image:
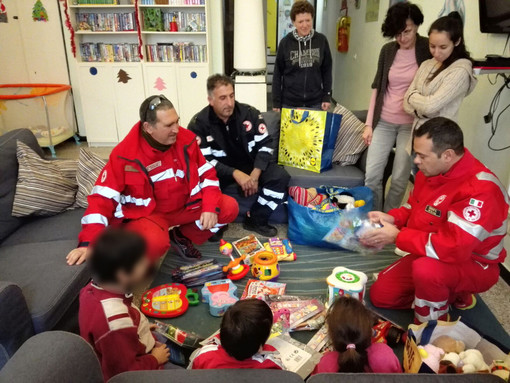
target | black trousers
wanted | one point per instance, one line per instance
(273, 183)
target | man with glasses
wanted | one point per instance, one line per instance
(234, 138)
(157, 179)
(453, 227)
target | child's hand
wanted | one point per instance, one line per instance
(161, 353)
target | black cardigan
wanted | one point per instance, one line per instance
(386, 57)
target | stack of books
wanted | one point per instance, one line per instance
(172, 2)
(104, 52)
(195, 21)
(98, 2)
(176, 52)
(106, 22)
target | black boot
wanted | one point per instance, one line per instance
(218, 236)
(264, 229)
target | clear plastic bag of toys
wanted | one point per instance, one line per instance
(350, 228)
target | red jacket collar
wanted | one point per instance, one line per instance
(131, 144)
(458, 171)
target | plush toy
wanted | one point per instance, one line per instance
(453, 358)
(501, 368)
(306, 197)
(447, 367)
(448, 344)
(473, 361)
(431, 355)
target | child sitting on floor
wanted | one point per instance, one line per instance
(350, 330)
(119, 333)
(244, 331)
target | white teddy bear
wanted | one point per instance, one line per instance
(472, 361)
(453, 357)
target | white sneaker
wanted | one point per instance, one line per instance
(401, 253)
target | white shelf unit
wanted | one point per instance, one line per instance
(109, 106)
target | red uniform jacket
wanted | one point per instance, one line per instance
(117, 330)
(138, 180)
(455, 216)
(214, 357)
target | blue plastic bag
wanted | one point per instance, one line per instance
(309, 226)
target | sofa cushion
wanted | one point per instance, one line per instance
(89, 167)
(66, 225)
(49, 285)
(9, 176)
(349, 143)
(344, 176)
(54, 356)
(44, 187)
(209, 376)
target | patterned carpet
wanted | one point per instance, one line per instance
(306, 276)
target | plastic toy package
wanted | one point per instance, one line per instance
(320, 341)
(350, 229)
(248, 246)
(295, 356)
(296, 313)
(197, 273)
(182, 338)
(259, 289)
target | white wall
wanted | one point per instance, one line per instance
(354, 72)
(32, 51)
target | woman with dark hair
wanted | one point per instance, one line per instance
(303, 68)
(350, 330)
(387, 122)
(442, 82)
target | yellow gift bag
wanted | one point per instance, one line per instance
(307, 139)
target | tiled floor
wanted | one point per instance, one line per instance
(497, 298)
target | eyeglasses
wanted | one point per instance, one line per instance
(154, 103)
(405, 33)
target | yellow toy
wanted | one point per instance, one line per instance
(265, 266)
(282, 248)
(168, 302)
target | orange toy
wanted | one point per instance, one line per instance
(234, 269)
(265, 266)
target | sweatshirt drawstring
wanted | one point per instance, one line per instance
(304, 40)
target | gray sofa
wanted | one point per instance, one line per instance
(38, 291)
(71, 359)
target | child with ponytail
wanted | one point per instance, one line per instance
(350, 330)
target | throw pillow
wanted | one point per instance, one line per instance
(349, 142)
(44, 187)
(89, 167)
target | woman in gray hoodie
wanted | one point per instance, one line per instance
(442, 82)
(303, 68)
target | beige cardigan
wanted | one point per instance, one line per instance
(442, 96)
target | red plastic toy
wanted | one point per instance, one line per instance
(168, 301)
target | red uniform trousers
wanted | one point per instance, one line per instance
(154, 228)
(431, 284)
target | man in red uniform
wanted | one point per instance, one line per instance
(453, 227)
(156, 179)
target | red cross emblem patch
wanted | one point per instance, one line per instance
(471, 214)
